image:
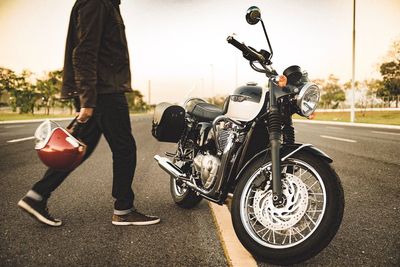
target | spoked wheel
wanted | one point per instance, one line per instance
(303, 224)
(183, 196)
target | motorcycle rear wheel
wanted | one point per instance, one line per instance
(306, 222)
(183, 197)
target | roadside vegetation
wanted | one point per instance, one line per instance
(16, 116)
(26, 95)
(376, 117)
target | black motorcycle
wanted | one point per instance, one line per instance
(287, 202)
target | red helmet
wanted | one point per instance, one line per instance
(57, 148)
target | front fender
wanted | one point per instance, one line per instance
(287, 151)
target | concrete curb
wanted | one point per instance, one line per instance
(236, 255)
(370, 125)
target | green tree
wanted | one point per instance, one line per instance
(49, 89)
(136, 102)
(22, 92)
(332, 92)
(7, 81)
(390, 71)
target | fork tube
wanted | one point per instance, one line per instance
(274, 127)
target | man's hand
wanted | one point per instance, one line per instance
(85, 114)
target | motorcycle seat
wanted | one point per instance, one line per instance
(202, 110)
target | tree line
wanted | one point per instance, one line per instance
(26, 94)
(387, 88)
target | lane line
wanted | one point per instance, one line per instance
(335, 128)
(235, 253)
(338, 139)
(378, 132)
(21, 139)
(14, 126)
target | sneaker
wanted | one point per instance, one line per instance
(38, 210)
(134, 218)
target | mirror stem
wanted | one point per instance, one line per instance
(266, 35)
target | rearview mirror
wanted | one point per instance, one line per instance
(253, 15)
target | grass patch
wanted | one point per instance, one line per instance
(16, 116)
(377, 117)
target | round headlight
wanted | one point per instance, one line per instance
(308, 98)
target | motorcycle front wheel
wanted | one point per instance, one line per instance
(303, 225)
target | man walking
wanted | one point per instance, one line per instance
(97, 74)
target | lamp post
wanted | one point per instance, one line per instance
(352, 112)
(212, 82)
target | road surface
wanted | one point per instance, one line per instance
(366, 159)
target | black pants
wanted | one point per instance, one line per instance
(111, 118)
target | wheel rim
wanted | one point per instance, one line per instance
(178, 190)
(300, 215)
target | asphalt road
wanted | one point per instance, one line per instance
(368, 163)
(366, 159)
(84, 202)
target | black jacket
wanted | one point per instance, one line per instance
(96, 54)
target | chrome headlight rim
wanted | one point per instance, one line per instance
(309, 86)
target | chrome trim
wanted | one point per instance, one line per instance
(301, 94)
(170, 167)
(215, 123)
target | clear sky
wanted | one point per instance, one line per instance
(180, 44)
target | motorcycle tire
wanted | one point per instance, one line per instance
(186, 199)
(328, 223)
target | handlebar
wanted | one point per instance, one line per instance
(248, 52)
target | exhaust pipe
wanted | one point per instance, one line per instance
(170, 167)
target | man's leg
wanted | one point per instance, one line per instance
(35, 201)
(116, 126)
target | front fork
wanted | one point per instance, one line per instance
(274, 128)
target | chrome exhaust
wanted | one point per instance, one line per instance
(170, 168)
(177, 173)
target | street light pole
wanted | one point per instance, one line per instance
(149, 91)
(212, 83)
(352, 112)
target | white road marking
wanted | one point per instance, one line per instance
(21, 139)
(338, 139)
(385, 133)
(14, 126)
(335, 128)
(235, 253)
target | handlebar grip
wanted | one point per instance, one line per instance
(236, 44)
(248, 53)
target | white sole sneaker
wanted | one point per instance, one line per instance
(24, 206)
(136, 223)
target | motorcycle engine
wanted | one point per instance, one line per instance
(207, 166)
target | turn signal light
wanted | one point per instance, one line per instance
(282, 81)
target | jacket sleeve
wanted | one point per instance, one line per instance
(89, 29)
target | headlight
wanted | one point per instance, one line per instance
(307, 99)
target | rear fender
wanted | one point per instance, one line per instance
(285, 152)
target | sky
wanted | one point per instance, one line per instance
(180, 45)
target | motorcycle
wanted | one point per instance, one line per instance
(287, 200)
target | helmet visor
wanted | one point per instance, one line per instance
(43, 133)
